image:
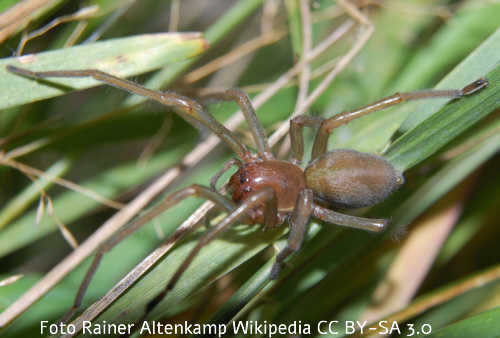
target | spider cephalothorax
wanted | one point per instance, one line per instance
(285, 178)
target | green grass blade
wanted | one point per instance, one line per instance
(123, 57)
(445, 179)
(252, 286)
(70, 206)
(294, 25)
(449, 45)
(483, 60)
(442, 127)
(23, 200)
(484, 325)
(7, 3)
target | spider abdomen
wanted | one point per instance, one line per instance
(352, 179)
(286, 179)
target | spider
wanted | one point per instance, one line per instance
(265, 190)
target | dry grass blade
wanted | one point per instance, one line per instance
(40, 210)
(305, 74)
(235, 54)
(10, 280)
(82, 14)
(18, 16)
(4, 160)
(175, 8)
(416, 256)
(440, 296)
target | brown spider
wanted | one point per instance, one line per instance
(266, 190)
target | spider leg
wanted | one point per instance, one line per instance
(171, 200)
(328, 125)
(330, 216)
(258, 132)
(227, 165)
(298, 226)
(265, 197)
(185, 107)
(297, 137)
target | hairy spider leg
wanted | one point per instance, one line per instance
(326, 126)
(337, 218)
(266, 197)
(305, 208)
(298, 226)
(194, 190)
(185, 107)
(296, 134)
(258, 132)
